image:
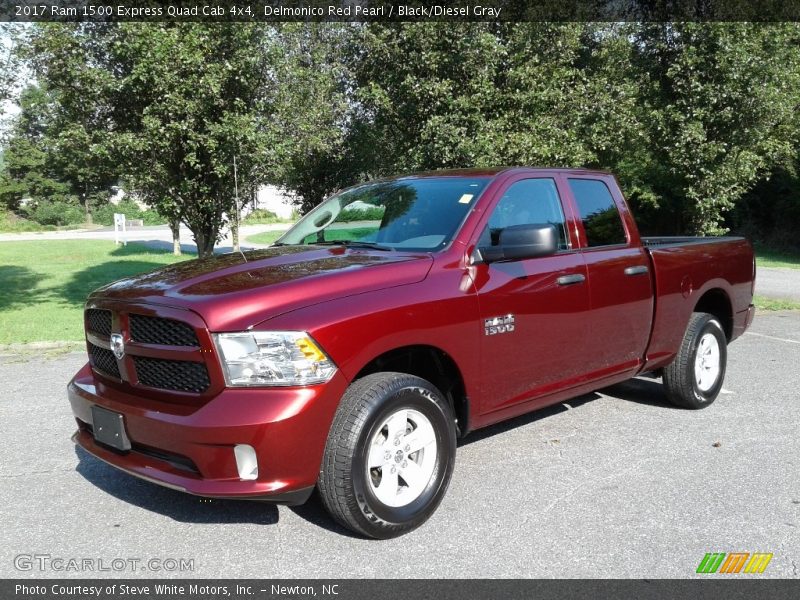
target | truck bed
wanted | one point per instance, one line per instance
(691, 270)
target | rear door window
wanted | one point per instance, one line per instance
(598, 212)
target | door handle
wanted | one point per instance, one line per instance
(637, 270)
(571, 279)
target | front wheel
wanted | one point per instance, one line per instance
(694, 379)
(389, 456)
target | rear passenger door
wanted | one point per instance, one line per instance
(620, 287)
(535, 311)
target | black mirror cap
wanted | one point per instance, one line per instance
(519, 242)
(528, 241)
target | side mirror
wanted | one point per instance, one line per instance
(521, 241)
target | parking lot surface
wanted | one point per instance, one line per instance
(613, 484)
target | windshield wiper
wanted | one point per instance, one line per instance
(353, 244)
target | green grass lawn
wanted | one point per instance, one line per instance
(265, 237)
(772, 258)
(43, 284)
(763, 303)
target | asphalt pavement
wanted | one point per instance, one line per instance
(781, 284)
(613, 484)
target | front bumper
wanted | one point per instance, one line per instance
(190, 448)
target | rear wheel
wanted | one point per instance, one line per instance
(389, 456)
(694, 379)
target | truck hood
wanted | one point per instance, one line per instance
(233, 292)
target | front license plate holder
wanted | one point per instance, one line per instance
(109, 428)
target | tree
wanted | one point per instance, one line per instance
(202, 98)
(10, 67)
(313, 110)
(64, 59)
(720, 103)
(176, 102)
(471, 94)
(688, 114)
(27, 171)
(50, 158)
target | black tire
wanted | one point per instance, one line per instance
(343, 480)
(679, 377)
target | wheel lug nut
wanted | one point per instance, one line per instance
(387, 455)
(394, 469)
(397, 442)
(405, 464)
(408, 447)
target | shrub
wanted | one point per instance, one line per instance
(12, 223)
(262, 217)
(104, 215)
(57, 213)
(151, 217)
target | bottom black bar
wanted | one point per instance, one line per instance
(730, 588)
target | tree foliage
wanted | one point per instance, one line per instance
(313, 110)
(691, 116)
(720, 105)
(64, 59)
(50, 158)
(202, 98)
(472, 94)
(27, 172)
(173, 106)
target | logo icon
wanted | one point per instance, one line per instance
(736, 562)
(117, 345)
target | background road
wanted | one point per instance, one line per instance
(781, 284)
(614, 484)
(155, 236)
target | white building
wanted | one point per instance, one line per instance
(274, 199)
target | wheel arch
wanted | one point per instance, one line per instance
(432, 364)
(716, 302)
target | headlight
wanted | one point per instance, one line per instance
(272, 358)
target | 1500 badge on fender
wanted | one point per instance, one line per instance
(497, 325)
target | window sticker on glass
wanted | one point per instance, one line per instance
(465, 199)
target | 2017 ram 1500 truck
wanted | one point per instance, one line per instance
(393, 318)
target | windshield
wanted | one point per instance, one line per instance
(407, 214)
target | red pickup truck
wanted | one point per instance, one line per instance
(395, 317)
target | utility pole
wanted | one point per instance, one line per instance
(237, 210)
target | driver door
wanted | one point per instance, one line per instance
(535, 312)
